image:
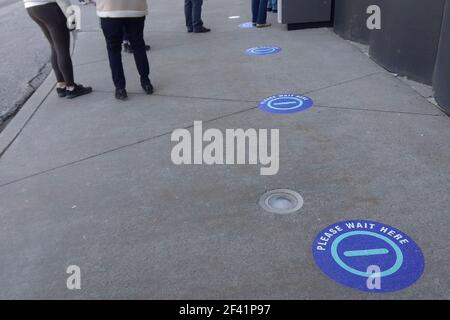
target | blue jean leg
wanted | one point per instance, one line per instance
(259, 11)
(272, 4)
(193, 14)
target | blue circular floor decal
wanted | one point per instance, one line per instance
(246, 25)
(286, 103)
(262, 51)
(368, 256)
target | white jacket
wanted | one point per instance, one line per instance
(121, 8)
(32, 3)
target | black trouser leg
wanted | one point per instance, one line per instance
(126, 38)
(135, 32)
(113, 32)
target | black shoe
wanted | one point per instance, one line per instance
(147, 47)
(78, 91)
(121, 94)
(202, 30)
(127, 48)
(275, 11)
(190, 30)
(269, 9)
(148, 88)
(62, 92)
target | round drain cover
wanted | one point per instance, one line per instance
(281, 201)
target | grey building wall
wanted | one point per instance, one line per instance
(408, 41)
(441, 80)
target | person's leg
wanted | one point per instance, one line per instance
(126, 41)
(197, 22)
(255, 10)
(53, 23)
(113, 32)
(60, 82)
(262, 12)
(54, 59)
(125, 37)
(188, 14)
(135, 30)
(61, 39)
(275, 5)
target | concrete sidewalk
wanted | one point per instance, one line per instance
(90, 182)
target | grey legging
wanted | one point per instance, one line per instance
(53, 23)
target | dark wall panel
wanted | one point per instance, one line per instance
(305, 11)
(441, 82)
(350, 19)
(408, 40)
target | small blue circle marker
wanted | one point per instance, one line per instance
(262, 51)
(286, 103)
(368, 256)
(246, 25)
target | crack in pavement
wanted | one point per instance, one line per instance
(120, 148)
(190, 126)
